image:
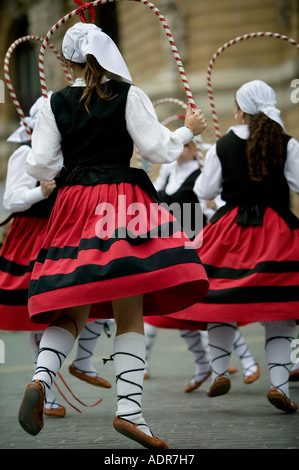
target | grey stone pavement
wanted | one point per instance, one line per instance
(242, 419)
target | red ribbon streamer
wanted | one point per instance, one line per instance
(85, 6)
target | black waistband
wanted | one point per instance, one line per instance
(253, 214)
(91, 176)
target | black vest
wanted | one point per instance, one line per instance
(96, 145)
(88, 138)
(186, 195)
(252, 197)
(237, 187)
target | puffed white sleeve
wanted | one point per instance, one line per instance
(20, 191)
(208, 185)
(45, 160)
(291, 169)
(155, 142)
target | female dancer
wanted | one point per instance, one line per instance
(30, 204)
(97, 258)
(251, 247)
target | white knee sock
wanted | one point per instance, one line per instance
(150, 332)
(194, 343)
(221, 338)
(55, 345)
(278, 336)
(35, 338)
(129, 354)
(87, 342)
(248, 362)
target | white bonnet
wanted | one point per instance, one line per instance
(20, 135)
(87, 38)
(256, 96)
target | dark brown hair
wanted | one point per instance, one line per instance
(93, 76)
(264, 146)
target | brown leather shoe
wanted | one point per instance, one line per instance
(220, 386)
(253, 377)
(146, 375)
(58, 412)
(232, 370)
(190, 387)
(32, 407)
(294, 375)
(281, 401)
(97, 381)
(132, 432)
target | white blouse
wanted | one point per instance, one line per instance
(209, 183)
(20, 191)
(176, 175)
(155, 142)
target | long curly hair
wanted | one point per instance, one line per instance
(264, 146)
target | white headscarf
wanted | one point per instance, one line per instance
(86, 38)
(20, 135)
(256, 96)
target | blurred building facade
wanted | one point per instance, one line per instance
(198, 27)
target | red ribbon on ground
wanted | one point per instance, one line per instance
(85, 6)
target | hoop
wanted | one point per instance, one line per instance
(7, 74)
(223, 48)
(89, 5)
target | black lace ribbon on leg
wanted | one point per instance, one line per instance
(225, 352)
(286, 365)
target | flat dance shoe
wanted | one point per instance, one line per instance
(96, 380)
(220, 386)
(281, 401)
(193, 386)
(131, 431)
(253, 377)
(32, 407)
(294, 375)
(58, 412)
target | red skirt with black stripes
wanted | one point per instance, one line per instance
(17, 256)
(111, 241)
(253, 271)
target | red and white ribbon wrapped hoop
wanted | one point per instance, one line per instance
(8, 79)
(223, 48)
(90, 6)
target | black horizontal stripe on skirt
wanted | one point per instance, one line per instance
(252, 294)
(264, 267)
(96, 243)
(14, 297)
(114, 269)
(15, 269)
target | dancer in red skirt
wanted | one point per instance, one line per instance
(251, 246)
(110, 250)
(30, 204)
(175, 184)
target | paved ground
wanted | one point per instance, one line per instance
(242, 419)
